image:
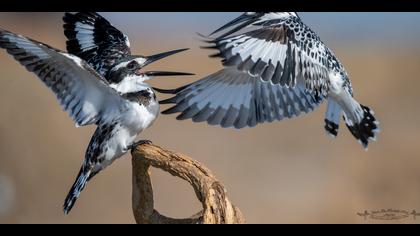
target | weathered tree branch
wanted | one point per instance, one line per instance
(217, 209)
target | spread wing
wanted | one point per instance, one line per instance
(277, 71)
(233, 98)
(92, 38)
(279, 52)
(83, 93)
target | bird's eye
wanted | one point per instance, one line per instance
(132, 65)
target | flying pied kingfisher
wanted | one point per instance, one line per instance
(121, 106)
(278, 68)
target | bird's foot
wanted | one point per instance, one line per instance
(134, 145)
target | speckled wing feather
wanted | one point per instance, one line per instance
(92, 38)
(82, 92)
(280, 51)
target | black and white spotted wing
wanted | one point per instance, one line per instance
(233, 98)
(277, 71)
(82, 92)
(280, 51)
(92, 38)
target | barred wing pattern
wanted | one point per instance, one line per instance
(83, 93)
(277, 71)
(233, 98)
(281, 52)
(92, 38)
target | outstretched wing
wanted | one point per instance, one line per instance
(277, 71)
(83, 93)
(92, 38)
(233, 98)
(281, 52)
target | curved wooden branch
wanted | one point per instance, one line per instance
(217, 209)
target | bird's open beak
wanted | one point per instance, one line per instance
(165, 73)
(153, 58)
(241, 22)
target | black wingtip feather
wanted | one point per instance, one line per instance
(215, 55)
(172, 100)
(174, 109)
(209, 47)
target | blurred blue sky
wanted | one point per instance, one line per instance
(341, 26)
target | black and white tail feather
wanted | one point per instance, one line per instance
(366, 129)
(76, 189)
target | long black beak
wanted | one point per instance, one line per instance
(165, 73)
(153, 58)
(245, 19)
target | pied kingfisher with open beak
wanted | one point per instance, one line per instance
(277, 69)
(115, 97)
(106, 49)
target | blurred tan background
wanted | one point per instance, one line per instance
(284, 172)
